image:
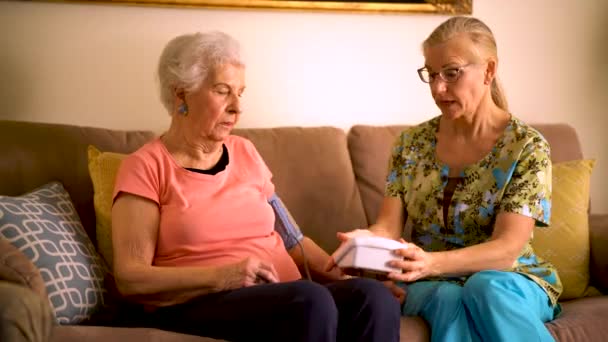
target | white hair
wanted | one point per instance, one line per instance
(187, 60)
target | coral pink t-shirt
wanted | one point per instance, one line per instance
(209, 220)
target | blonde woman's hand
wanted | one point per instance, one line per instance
(344, 237)
(249, 272)
(416, 263)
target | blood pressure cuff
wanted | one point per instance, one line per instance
(284, 224)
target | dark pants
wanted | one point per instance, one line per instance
(349, 310)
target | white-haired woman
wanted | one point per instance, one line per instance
(470, 185)
(202, 240)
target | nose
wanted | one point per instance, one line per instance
(235, 106)
(438, 86)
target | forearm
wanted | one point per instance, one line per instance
(490, 255)
(166, 285)
(379, 229)
(317, 260)
(391, 219)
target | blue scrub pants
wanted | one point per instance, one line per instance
(491, 306)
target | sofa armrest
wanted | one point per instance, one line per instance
(598, 236)
(15, 267)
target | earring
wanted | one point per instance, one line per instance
(183, 109)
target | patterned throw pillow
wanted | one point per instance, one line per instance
(103, 167)
(565, 243)
(45, 226)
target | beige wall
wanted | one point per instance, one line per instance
(94, 65)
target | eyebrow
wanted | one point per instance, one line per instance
(227, 85)
(445, 66)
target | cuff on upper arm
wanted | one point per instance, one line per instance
(284, 223)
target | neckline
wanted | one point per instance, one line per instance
(189, 173)
(445, 169)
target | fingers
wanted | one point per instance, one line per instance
(330, 265)
(397, 291)
(267, 272)
(411, 251)
(343, 236)
(407, 277)
(353, 233)
(256, 272)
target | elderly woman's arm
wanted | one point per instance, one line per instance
(317, 260)
(135, 222)
(511, 233)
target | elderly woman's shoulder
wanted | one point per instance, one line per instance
(153, 150)
(239, 141)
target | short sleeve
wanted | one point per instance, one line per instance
(268, 187)
(528, 192)
(136, 176)
(395, 186)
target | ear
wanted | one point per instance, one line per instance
(180, 94)
(490, 72)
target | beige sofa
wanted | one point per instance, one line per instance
(331, 180)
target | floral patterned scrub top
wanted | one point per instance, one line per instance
(514, 177)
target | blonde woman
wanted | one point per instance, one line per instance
(471, 185)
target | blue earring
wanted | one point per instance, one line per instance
(183, 109)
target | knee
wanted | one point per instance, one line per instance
(373, 295)
(483, 285)
(446, 295)
(315, 301)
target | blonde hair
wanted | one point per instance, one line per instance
(187, 60)
(483, 38)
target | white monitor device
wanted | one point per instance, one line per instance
(369, 253)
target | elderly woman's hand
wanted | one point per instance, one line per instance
(397, 291)
(249, 272)
(416, 263)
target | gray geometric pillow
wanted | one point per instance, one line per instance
(45, 226)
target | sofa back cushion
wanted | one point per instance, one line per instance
(313, 176)
(369, 148)
(34, 154)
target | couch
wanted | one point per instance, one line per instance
(330, 179)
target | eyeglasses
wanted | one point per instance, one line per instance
(449, 75)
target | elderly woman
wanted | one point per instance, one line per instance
(202, 240)
(470, 185)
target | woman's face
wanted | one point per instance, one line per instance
(463, 96)
(216, 107)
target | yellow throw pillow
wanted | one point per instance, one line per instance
(565, 243)
(103, 167)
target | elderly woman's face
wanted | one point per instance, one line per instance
(454, 60)
(216, 107)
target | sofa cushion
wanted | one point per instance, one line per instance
(303, 178)
(598, 235)
(313, 175)
(583, 319)
(103, 167)
(17, 268)
(44, 225)
(565, 243)
(36, 153)
(369, 148)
